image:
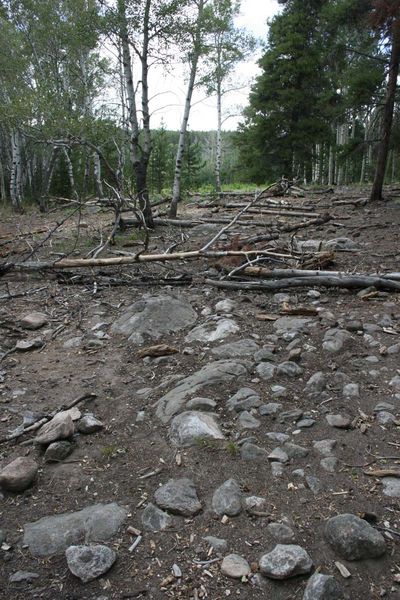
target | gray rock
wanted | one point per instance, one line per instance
(278, 455)
(291, 325)
(283, 534)
(189, 427)
(384, 417)
(250, 451)
(19, 474)
(335, 340)
(305, 423)
(276, 436)
(58, 451)
(2, 536)
(391, 486)
(23, 576)
(89, 562)
(295, 451)
(235, 566)
(266, 353)
(353, 538)
(272, 408)
(179, 496)
(290, 416)
(325, 447)
(289, 369)
(314, 484)
(245, 348)
(212, 331)
(227, 499)
(244, 399)
(266, 370)
(225, 306)
(254, 504)
(247, 421)
(317, 382)
(154, 519)
(28, 345)
(33, 320)
(329, 464)
(153, 317)
(219, 545)
(383, 406)
(61, 427)
(323, 587)
(202, 404)
(211, 376)
(89, 424)
(395, 349)
(340, 243)
(73, 342)
(279, 391)
(338, 421)
(52, 535)
(285, 561)
(351, 390)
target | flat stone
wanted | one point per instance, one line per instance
(351, 390)
(305, 423)
(202, 404)
(283, 534)
(179, 496)
(89, 424)
(289, 369)
(276, 436)
(285, 561)
(353, 538)
(314, 484)
(266, 370)
(219, 545)
(254, 504)
(211, 376)
(23, 576)
(189, 427)
(338, 421)
(225, 306)
(384, 417)
(293, 325)
(279, 391)
(295, 451)
(317, 382)
(33, 320)
(384, 406)
(323, 587)
(245, 348)
(325, 447)
(250, 451)
(212, 331)
(235, 566)
(329, 464)
(28, 345)
(335, 340)
(227, 499)
(19, 474)
(277, 469)
(60, 427)
(266, 353)
(87, 562)
(52, 535)
(154, 317)
(391, 486)
(73, 342)
(247, 421)
(244, 399)
(155, 519)
(58, 451)
(270, 409)
(290, 416)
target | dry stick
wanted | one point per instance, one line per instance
(235, 219)
(289, 273)
(347, 281)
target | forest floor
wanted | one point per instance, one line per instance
(81, 351)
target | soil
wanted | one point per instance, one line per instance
(107, 466)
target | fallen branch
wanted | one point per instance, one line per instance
(346, 281)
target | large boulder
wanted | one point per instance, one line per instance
(353, 538)
(154, 317)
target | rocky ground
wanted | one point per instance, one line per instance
(254, 453)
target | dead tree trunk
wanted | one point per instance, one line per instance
(16, 171)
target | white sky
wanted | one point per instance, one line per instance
(170, 90)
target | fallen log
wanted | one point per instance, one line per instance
(346, 281)
(291, 273)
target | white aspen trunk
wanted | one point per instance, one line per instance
(15, 176)
(97, 175)
(218, 149)
(331, 166)
(86, 176)
(176, 189)
(393, 175)
(70, 171)
(3, 195)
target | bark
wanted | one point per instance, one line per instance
(3, 195)
(376, 192)
(97, 175)
(345, 281)
(218, 149)
(176, 189)
(16, 171)
(139, 156)
(70, 170)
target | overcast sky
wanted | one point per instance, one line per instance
(168, 105)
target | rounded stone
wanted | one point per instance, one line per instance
(353, 538)
(179, 496)
(322, 587)
(18, 475)
(89, 561)
(235, 566)
(227, 499)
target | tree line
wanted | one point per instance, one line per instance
(322, 110)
